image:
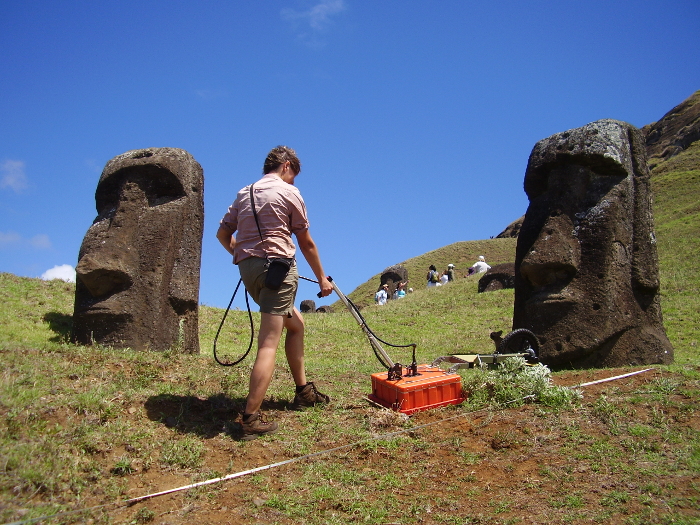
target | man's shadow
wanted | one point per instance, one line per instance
(206, 418)
(60, 324)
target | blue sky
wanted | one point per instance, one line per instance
(413, 120)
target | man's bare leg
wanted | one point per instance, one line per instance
(294, 346)
(261, 375)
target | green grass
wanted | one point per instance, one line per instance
(676, 185)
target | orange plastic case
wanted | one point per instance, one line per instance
(431, 389)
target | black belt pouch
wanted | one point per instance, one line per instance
(277, 270)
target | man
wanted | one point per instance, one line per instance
(433, 276)
(450, 272)
(382, 295)
(480, 266)
(280, 212)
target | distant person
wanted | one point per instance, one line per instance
(444, 279)
(400, 292)
(382, 295)
(433, 277)
(450, 272)
(280, 213)
(479, 266)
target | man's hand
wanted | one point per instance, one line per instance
(326, 287)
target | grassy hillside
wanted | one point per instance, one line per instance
(676, 185)
(83, 429)
(462, 254)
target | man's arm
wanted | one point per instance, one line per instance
(308, 248)
(226, 238)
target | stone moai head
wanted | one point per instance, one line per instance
(586, 267)
(137, 279)
(393, 276)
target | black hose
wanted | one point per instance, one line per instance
(364, 323)
(252, 328)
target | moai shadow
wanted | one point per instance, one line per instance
(586, 268)
(137, 282)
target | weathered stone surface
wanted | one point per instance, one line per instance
(326, 309)
(307, 305)
(393, 276)
(498, 277)
(512, 230)
(675, 131)
(586, 268)
(137, 279)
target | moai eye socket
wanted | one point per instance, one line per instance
(159, 186)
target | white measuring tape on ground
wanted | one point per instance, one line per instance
(611, 378)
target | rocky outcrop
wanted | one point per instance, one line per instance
(676, 130)
(512, 230)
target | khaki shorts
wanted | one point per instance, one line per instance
(276, 302)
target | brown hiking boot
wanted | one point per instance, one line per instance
(309, 397)
(255, 425)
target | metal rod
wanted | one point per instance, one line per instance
(373, 341)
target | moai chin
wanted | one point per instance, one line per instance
(137, 278)
(586, 268)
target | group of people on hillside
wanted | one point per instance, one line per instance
(440, 279)
(382, 296)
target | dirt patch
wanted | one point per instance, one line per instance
(519, 465)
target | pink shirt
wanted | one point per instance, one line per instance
(281, 212)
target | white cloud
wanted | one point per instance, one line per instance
(93, 165)
(40, 241)
(12, 175)
(318, 17)
(65, 272)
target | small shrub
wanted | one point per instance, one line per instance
(515, 382)
(144, 515)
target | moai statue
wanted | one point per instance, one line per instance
(392, 276)
(586, 267)
(137, 282)
(307, 306)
